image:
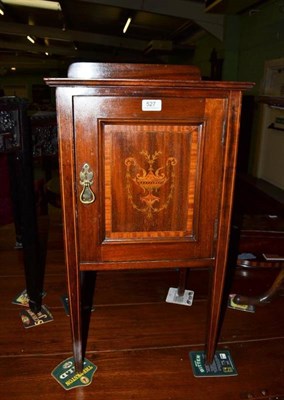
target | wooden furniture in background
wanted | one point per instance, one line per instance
(269, 163)
(28, 141)
(147, 160)
(43, 128)
(16, 142)
(259, 219)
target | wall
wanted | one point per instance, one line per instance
(27, 85)
(261, 39)
(15, 84)
(250, 39)
(202, 54)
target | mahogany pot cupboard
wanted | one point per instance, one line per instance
(147, 159)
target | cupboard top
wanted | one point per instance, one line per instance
(116, 74)
(85, 70)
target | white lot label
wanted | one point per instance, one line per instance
(185, 300)
(151, 105)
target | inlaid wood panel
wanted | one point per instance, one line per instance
(150, 180)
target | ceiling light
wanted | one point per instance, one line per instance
(127, 24)
(2, 9)
(31, 39)
(46, 4)
(13, 68)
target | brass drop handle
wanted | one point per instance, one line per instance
(87, 196)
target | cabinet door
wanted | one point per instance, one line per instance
(152, 178)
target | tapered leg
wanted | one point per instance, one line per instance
(183, 272)
(75, 308)
(214, 310)
(88, 282)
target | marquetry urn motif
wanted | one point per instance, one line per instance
(150, 180)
